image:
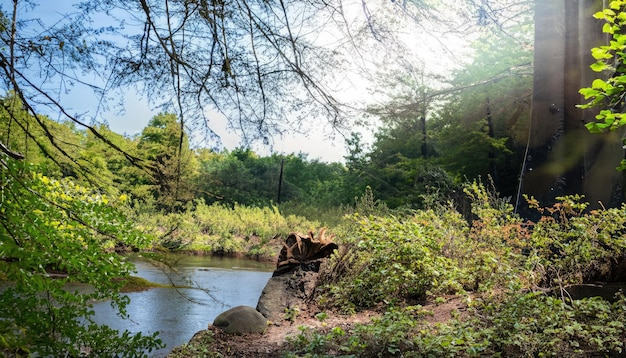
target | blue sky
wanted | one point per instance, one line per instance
(354, 90)
(137, 112)
(315, 144)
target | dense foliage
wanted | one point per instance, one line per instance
(517, 325)
(53, 232)
(163, 176)
(224, 230)
(512, 281)
(502, 286)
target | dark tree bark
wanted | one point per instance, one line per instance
(563, 157)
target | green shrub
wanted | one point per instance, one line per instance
(570, 245)
(511, 266)
(536, 324)
(516, 325)
(52, 232)
(429, 252)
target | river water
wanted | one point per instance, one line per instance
(177, 314)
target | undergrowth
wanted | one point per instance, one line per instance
(517, 325)
(503, 268)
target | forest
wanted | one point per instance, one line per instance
(489, 174)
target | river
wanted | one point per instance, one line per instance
(177, 314)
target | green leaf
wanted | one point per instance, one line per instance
(601, 53)
(619, 38)
(608, 28)
(599, 15)
(615, 45)
(599, 84)
(588, 92)
(599, 66)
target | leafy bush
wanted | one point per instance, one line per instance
(516, 325)
(52, 232)
(398, 332)
(535, 324)
(311, 343)
(428, 252)
(392, 259)
(570, 245)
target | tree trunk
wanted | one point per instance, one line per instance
(280, 180)
(422, 112)
(493, 170)
(563, 157)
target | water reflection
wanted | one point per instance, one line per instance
(222, 283)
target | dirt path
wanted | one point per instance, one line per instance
(270, 343)
(214, 342)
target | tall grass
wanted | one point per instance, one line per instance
(224, 230)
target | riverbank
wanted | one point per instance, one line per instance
(218, 230)
(214, 284)
(282, 338)
(442, 286)
(213, 342)
(238, 247)
(245, 254)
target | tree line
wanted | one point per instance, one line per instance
(163, 175)
(433, 134)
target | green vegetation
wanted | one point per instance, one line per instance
(520, 325)
(416, 223)
(50, 226)
(202, 348)
(449, 241)
(607, 92)
(512, 280)
(223, 230)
